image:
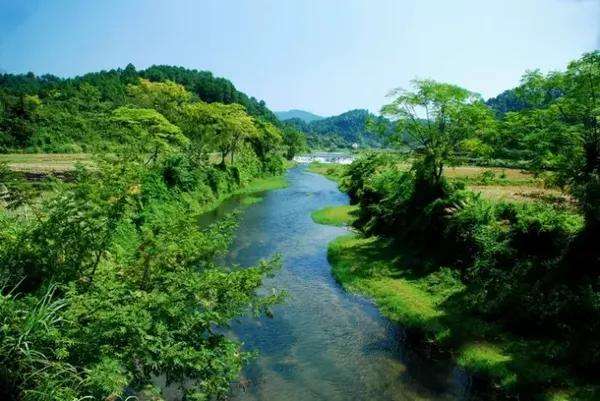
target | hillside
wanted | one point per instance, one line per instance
(305, 116)
(340, 131)
(506, 102)
(52, 114)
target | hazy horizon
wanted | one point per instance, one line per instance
(322, 57)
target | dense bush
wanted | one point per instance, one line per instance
(109, 281)
(114, 283)
(510, 256)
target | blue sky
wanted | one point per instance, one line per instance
(325, 56)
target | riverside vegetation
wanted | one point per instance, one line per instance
(510, 285)
(107, 280)
(109, 283)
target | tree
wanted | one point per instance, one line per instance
(166, 97)
(573, 99)
(217, 126)
(294, 141)
(265, 139)
(153, 133)
(437, 118)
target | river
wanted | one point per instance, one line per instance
(322, 343)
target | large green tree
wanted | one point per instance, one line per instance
(571, 100)
(218, 127)
(294, 141)
(435, 119)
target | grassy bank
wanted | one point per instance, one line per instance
(431, 306)
(335, 215)
(263, 184)
(330, 170)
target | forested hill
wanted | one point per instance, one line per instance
(49, 113)
(514, 100)
(209, 88)
(305, 116)
(506, 102)
(340, 131)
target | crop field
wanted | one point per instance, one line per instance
(495, 183)
(44, 162)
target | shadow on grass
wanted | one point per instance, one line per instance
(434, 306)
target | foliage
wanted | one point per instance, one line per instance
(218, 127)
(111, 281)
(340, 131)
(506, 102)
(114, 283)
(152, 132)
(295, 142)
(70, 115)
(437, 118)
(528, 272)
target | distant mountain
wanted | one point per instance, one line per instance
(340, 131)
(305, 116)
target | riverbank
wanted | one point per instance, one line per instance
(431, 308)
(335, 215)
(322, 343)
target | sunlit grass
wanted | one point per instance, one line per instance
(263, 184)
(251, 200)
(474, 171)
(44, 162)
(434, 304)
(335, 215)
(332, 171)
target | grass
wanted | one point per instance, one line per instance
(251, 191)
(339, 216)
(520, 193)
(474, 171)
(263, 184)
(433, 304)
(44, 162)
(251, 200)
(330, 170)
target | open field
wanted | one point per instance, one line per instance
(475, 171)
(494, 183)
(44, 162)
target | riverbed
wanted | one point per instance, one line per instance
(322, 343)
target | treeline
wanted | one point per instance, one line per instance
(526, 128)
(51, 114)
(531, 268)
(109, 283)
(341, 132)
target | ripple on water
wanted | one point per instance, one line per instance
(322, 343)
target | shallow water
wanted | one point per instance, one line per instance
(322, 343)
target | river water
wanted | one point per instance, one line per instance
(322, 343)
